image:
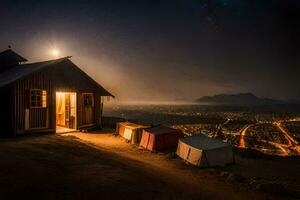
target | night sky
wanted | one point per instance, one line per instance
(165, 50)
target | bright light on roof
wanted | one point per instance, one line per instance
(55, 52)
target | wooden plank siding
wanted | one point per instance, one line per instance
(62, 77)
(70, 79)
(89, 116)
(39, 118)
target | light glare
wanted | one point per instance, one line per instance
(55, 52)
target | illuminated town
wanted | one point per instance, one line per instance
(274, 133)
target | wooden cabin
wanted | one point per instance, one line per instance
(50, 96)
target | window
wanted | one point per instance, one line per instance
(88, 99)
(38, 98)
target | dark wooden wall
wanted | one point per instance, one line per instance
(63, 77)
(39, 118)
(68, 78)
(6, 117)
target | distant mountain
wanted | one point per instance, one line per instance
(238, 99)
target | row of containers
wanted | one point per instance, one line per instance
(198, 150)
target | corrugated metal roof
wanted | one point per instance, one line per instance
(19, 71)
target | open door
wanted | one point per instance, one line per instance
(65, 112)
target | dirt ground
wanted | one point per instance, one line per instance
(102, 166)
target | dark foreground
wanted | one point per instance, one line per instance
(62, 167)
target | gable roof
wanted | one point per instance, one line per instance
(19, 71)
(11, 56)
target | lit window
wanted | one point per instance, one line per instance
(38, 98)
(44, 98)
(88, 99)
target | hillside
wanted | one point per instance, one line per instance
(238, 99)
(102, 166)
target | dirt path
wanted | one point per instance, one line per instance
(189, 182)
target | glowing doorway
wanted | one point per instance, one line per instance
(65, 112)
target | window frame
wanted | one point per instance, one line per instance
(40, 102)
(92, 99)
